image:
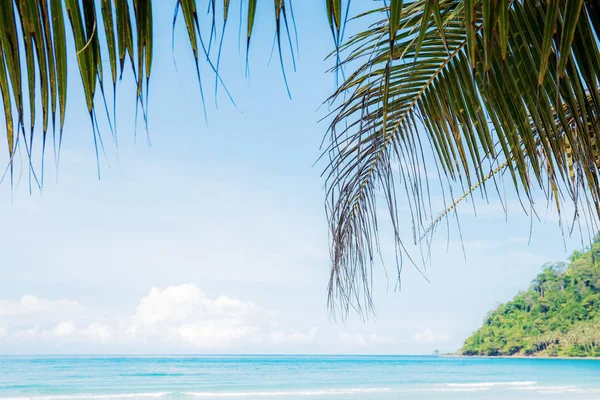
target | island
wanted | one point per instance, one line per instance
(557, 316)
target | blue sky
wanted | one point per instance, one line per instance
(214, 238)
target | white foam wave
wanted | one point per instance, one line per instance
(552, 388)
(530, 386)
(91, 396)
(560, 389)
(465, 389)
(316, 392)
(479, 385)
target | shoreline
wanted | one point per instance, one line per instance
(522, 357)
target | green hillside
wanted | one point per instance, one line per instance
(559, 315)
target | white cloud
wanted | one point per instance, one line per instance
(30, 305)
(31, 318)
(380, 340)
(185, 302)
(182, 318)
(429, 336)
(65, 328)
(99, 332)
(211, 334)
(180, 315)
(63, 332)
(185, 313)
(351, 339)
(27, 334)
(360, 340)
(293, 336)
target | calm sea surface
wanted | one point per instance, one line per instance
(295, 377)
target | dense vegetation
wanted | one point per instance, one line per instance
(559, 315)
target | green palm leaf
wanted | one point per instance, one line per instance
(499, 90)
(35, 43)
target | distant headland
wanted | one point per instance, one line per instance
(557, 316)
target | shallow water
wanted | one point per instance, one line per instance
(295, 377)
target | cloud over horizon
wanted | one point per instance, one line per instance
(427, 335)
(179, 316)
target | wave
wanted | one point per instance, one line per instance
(562, 389)
(315, 392)
(91, 396)
(476, 386)
(530, 386)
(491, 384)
(555, 389)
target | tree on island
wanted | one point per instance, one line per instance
(470, 89)
(559, 315)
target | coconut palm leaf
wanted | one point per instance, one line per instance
(508, 82)
(35, 43)
(552, 193)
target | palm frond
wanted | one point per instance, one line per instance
(36, 43)
(551, 186)
(498, 87)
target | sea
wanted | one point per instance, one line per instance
(295, 378)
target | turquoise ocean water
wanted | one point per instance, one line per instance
(295, 377)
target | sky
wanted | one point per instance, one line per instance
(212, 238)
